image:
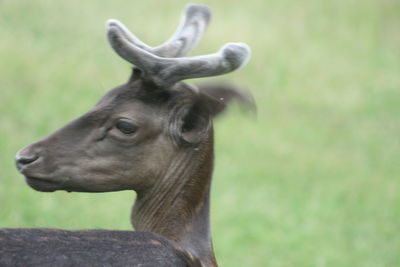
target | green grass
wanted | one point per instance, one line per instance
(313, 181)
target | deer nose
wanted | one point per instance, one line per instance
(24, 160)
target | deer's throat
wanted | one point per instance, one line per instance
(177, 207)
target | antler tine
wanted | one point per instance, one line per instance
(193, 24)
(229, 58)
(192, 27)
(128, 34)
(122, 45)
(167, 71)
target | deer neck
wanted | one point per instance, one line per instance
(177, 207)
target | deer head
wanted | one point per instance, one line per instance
(152, 134)
(130, 136)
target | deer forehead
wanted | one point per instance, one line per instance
(127, 102)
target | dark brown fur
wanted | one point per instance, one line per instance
(47, 247)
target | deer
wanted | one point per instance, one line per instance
(153, 135)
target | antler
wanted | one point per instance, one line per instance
(166, 71)
(193, 24)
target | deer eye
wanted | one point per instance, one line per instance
(126, 127)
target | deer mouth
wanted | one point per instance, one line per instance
(43, 184)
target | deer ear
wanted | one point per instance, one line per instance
(190, 124)
(216, 98)
(191, 121)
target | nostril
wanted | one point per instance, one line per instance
(25, 160)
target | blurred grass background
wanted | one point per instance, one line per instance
(313, 181)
